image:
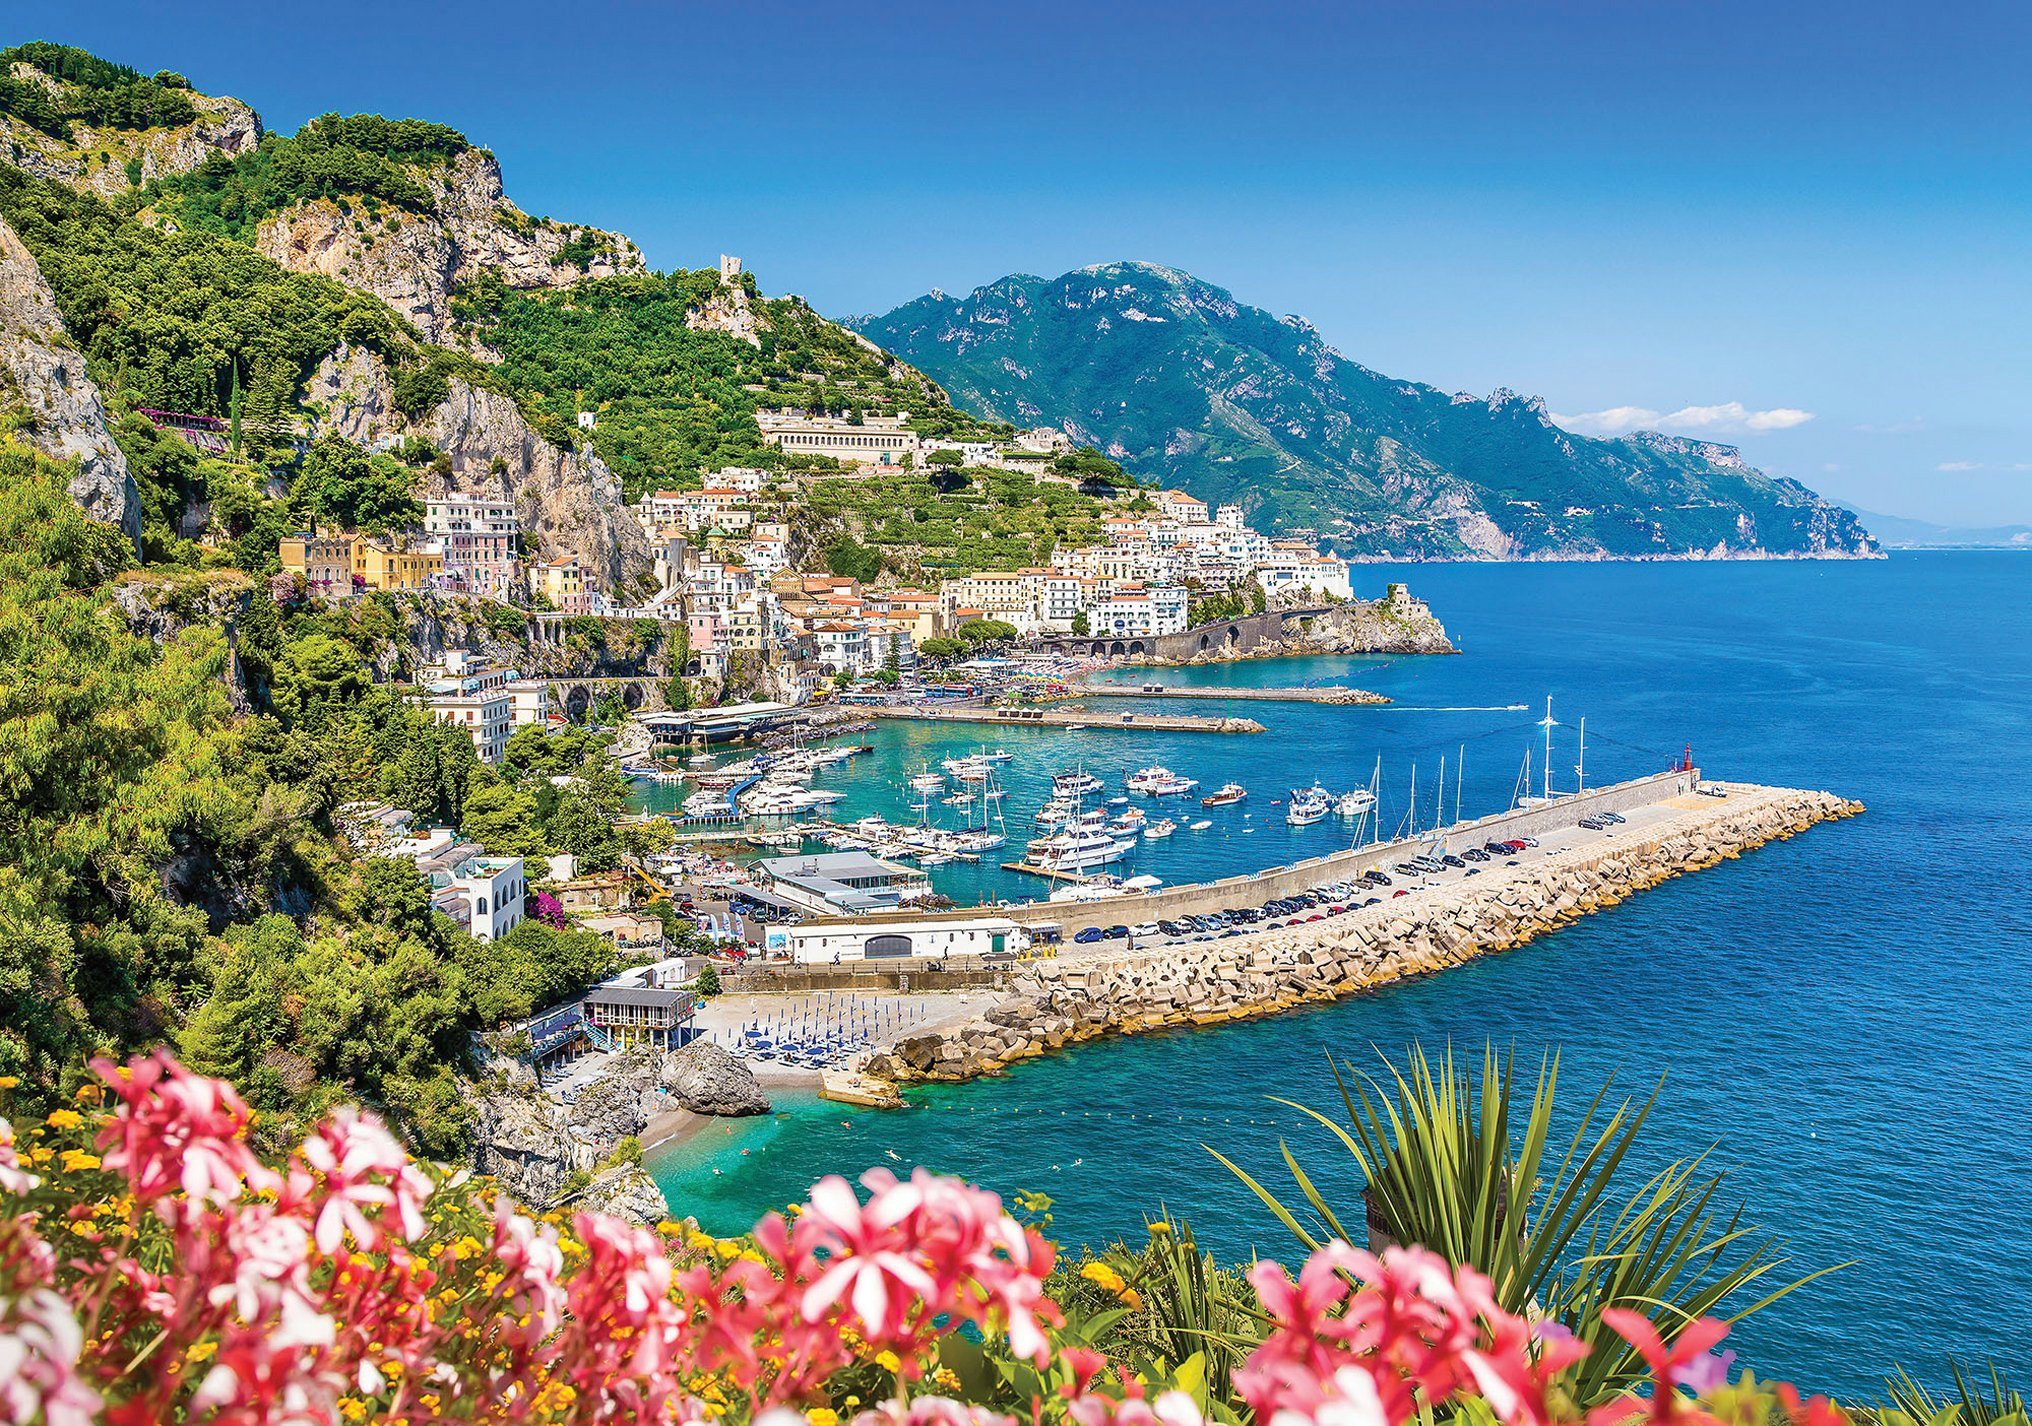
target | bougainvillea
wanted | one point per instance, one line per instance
(153, 1269)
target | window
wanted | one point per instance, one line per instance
(887, 946)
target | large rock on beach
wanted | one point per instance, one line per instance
(706, 1079)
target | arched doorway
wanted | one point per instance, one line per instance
(1136, 646)
(1117, 648)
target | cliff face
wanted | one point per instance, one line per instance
(413, 261)
(96, 159)
(570, 504)
(42, 373)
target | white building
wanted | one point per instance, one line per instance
(835, 943)
(484, 716)
(1140, 613)
(492, 891)
(528, 701)
(873, 440)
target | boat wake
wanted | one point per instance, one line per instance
(1489, 708)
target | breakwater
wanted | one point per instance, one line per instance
(1332, 694)
(1071, 718)
(1073, 997)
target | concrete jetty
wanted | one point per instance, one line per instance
(1117, 989)
(1331, 695)
(1070, 718)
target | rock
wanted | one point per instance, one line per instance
(414, 261)
(520, 1137)
(612, 1107)
(569, 502)
(95, 160)
(705, 1079)
(625, 1191)
(44, 374)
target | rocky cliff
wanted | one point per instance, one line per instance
(569, 502)
(43, 375)
(413, 261)
(110, 161)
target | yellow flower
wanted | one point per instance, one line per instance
(8, 1081)
(727, 1248)
(888, 1361)
(1104, 1275)
(88, 1094)
(669, 1229)
(76, 1159)
(1158, 1229)
(822, 1416)
(352, 1410)
(946, 1378)
(1131, 1297)
(64, 1119)
(199, 1352)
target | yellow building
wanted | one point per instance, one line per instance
(561, 582)
(392, 564)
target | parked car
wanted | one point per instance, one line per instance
(1089, 936)
(1453, 861)
(1143, 928)
(1116, 933)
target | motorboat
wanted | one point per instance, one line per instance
(1075, 783)
(1227, 795)
(1308, 805)
(1200, 826)
(1354, 804)
(1083, 843)
(1160, 782)
(1163, 827)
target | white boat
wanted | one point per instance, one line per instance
(1228, 795)
(1163, 827)
(1172, 786)
(1308, 805)
(1199, 826)
(1083, 843)
(1354, 804)
(927, 781)
(1099, 888)
(1075, 783)
(1118, 802)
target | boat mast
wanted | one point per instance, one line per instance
(1548, 723)
(1580, 763)
(1439, 801)
(1459, 761)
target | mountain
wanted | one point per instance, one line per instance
(368, 278)
(1177, 380)
(1898, 532)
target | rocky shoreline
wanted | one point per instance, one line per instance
(1076, 997)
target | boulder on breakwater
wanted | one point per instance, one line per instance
(1074, 997)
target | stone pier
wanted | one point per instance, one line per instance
(1076, 997)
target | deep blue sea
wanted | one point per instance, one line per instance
(1845, 1017)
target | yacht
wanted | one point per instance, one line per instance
(1227, 796)
(1163, 827)
(1160, 782)
(1075, 783)
(1354, 804)
(927, 781)
(1308, 805)
(1084, 842)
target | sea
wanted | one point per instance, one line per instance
(1842, 1021)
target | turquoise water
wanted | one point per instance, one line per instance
(1842, 1016)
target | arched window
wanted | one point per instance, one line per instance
(887, 946)
(482, 906)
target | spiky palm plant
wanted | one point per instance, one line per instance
(1973, 1402)
(1469, 1167)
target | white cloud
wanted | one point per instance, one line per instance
(1729, 418)
(1959, 465)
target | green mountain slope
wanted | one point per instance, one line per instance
(1175, 378)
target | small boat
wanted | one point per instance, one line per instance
(1354, 804)
(1118, 802)
(1308, 805)
(1163, 827)
(1160, 782)
(1228, 794)
(1199, 826)
(1075, 783)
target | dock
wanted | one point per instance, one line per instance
(1072, 719)
(1048, 873)
(1325, 694)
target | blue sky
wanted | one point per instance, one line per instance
(1802, 228)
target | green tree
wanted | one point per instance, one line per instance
(582, 827)
(342, 485)
(1081, 624)
(986, 631)
(946, 458)
(242, 1020)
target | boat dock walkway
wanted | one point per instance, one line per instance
(1072, 718)
(1048, 873)
(1327, 694)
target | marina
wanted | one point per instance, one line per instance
(1329, 694)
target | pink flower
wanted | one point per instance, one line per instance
(531, 1265)
(363, 1168)
(174, 1129)
(39, 1345)
(926, 1411)
(871, 1265)
(13, 1178)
